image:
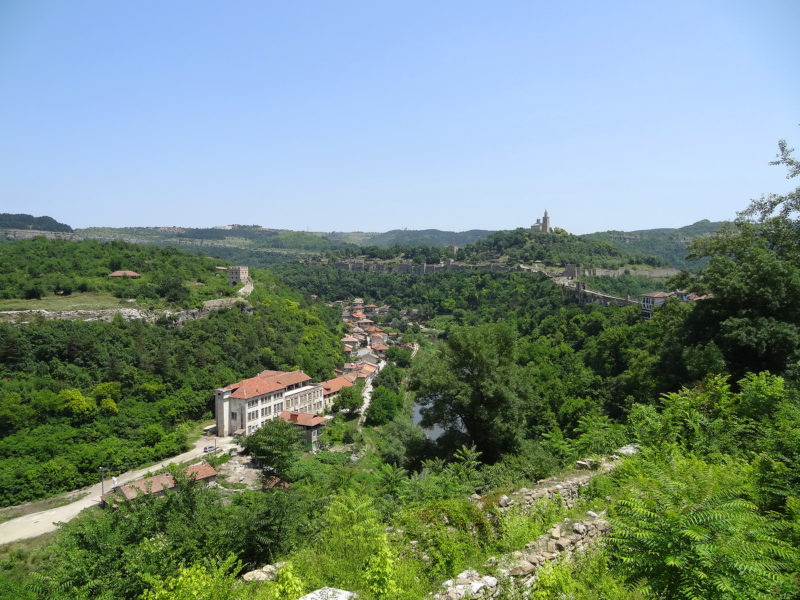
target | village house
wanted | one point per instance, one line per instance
(243, 407)
(157, 485)
(311, 425)
(332, 387)
(652, 300)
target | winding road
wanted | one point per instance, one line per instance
(39, 523)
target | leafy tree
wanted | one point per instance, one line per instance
(383, 406)
(275, 446)
(349, 399)
(476, 384)
(77, 405)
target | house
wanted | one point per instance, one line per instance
(652, 300)
(332, 387)
(132, 274)
(243, 407)
(311, 424)
(157, 485)
(366, 355)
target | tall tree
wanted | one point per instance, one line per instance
(476, 386)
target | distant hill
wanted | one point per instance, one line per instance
(22, 221)
(669, 244)
(412, 237)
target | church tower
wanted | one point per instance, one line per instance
(546, 223)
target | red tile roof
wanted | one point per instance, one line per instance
(265, 383)
(304, 419)
(657, 294)
(201, 471)
(334, 385)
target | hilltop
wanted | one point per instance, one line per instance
(669, 244)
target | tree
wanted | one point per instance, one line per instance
(753, 276)
(275, 446)
(475, 386)
(349, 399)
(383, 406)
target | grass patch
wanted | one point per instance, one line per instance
(85, 301)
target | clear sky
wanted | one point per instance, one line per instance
(344, 115)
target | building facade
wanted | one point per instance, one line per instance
(542, 225)
(242, 408)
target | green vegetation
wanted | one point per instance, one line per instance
(77, 395)
(522, 382)
(38, 268)
(669, 244)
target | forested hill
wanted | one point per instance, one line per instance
(23, 221)
(414, 237)
(669, 244)
(38, 268)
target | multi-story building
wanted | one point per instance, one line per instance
(651, 300)
(243, 407)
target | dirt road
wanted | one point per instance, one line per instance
(36, 524)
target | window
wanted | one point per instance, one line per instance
(278, 407)
(233, 416)
(266, 411)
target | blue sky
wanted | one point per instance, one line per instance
(340, 116)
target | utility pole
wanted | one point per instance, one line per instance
(102, 487)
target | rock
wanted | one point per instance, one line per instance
(329, 593)
(579, 528)
(628, 450)
(476, 586)
(505, 501)
(555, 532)
(490, 581)
(562, 544)
(475, 497)
(522, 568)
(591, 513)
(582, 465)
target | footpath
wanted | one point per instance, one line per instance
(39, 523)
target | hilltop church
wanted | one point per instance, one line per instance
(542, 225)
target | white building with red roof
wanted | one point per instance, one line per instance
(243, 407)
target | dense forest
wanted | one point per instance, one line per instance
(522, 383)
(669, 244)
(40, 267)
(512, 248)
(23, 221)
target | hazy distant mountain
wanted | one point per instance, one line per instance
(667, 243)
(22, 221)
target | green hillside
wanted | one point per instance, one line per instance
(669, 244)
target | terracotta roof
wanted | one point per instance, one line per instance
(149, 485)
(201, 471)
(124, 274)
(657, 294)
(299, 418)
(334, 385)
(380, 347)
(265, 383)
